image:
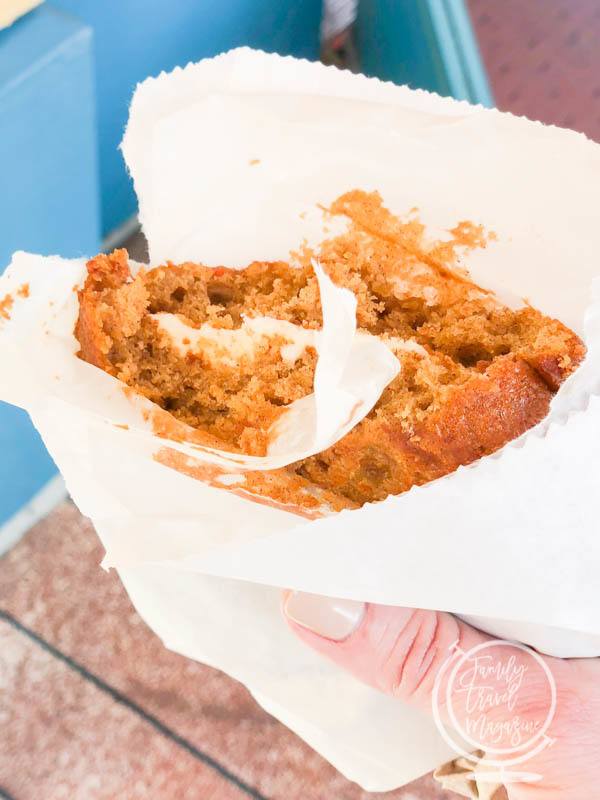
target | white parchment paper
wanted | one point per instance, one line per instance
(230, 158)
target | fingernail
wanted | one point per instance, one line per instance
(326, 616)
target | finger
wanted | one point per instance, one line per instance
(399, 651)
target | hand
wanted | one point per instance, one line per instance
(400, 651)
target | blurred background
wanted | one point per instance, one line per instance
(91, 705)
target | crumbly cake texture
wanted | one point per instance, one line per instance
(474, 375)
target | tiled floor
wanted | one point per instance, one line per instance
(94, 707)
(543, 58)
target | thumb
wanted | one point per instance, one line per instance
(399, 651)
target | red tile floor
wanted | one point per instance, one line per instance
(543, 58)
(92, 706)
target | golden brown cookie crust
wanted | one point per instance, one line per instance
(475, 376)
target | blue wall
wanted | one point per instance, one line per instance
(48, 149)
(49, 197)
(137, 38)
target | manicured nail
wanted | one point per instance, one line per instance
(326, 616)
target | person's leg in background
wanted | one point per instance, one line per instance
(337, 34)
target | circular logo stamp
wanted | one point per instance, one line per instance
(482, 702)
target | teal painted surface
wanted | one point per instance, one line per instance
(137, 38)
(49, 197)
(427, 44)
(48, 150)
(25, 466)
